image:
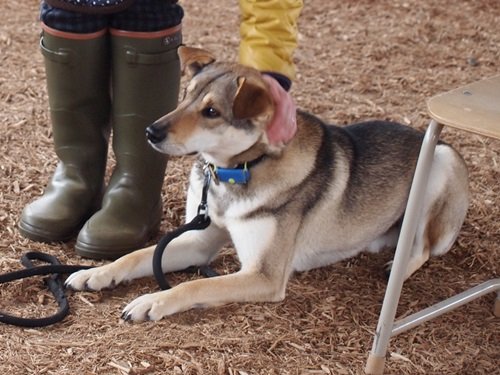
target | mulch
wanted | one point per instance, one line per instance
(358, 59)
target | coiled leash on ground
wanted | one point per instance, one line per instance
(54, 283)
(55, 269)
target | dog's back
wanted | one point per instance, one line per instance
(355, 194)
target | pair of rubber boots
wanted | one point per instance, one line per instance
(95, 84)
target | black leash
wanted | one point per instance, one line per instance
(54, 283)
(200, 221)
(55, 269)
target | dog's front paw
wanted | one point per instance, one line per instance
(152, 306)
(92, 279)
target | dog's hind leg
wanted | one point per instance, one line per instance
(420, 254)
(444, 208)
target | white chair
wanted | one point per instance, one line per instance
(473, 108)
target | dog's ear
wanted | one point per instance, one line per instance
(251, 99)
(194, 59)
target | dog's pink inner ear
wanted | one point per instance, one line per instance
(251, 99)
(194, 59)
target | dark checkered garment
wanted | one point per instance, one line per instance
(91, 6)
(141, 15)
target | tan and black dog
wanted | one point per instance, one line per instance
(329, 194)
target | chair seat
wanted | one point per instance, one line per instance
(474, 107)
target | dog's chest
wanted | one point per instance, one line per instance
(225, 201)
(228, 203)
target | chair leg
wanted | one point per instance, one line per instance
(449, 304)
(376, 359)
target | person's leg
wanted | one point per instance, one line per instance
(268, 34)
(77, 72)
(145, 81)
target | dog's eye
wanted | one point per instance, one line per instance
(210, 112)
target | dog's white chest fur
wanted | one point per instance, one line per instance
(255, 235)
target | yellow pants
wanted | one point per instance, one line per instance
(269, 34)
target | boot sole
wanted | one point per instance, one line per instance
(115, 251)
(36, 234)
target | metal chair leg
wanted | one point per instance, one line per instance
(376, 359)
(447, 305)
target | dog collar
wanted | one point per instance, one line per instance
(238, 175)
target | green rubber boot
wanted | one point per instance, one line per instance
(77, 73)
(146, 78)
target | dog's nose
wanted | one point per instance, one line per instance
(155, 134)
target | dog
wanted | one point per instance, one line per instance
(329, 194)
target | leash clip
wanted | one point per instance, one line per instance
(203, 206)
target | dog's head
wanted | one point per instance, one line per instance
(224, 112)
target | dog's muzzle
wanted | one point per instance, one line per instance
(156, 134)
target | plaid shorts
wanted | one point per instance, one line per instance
(143, 15)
